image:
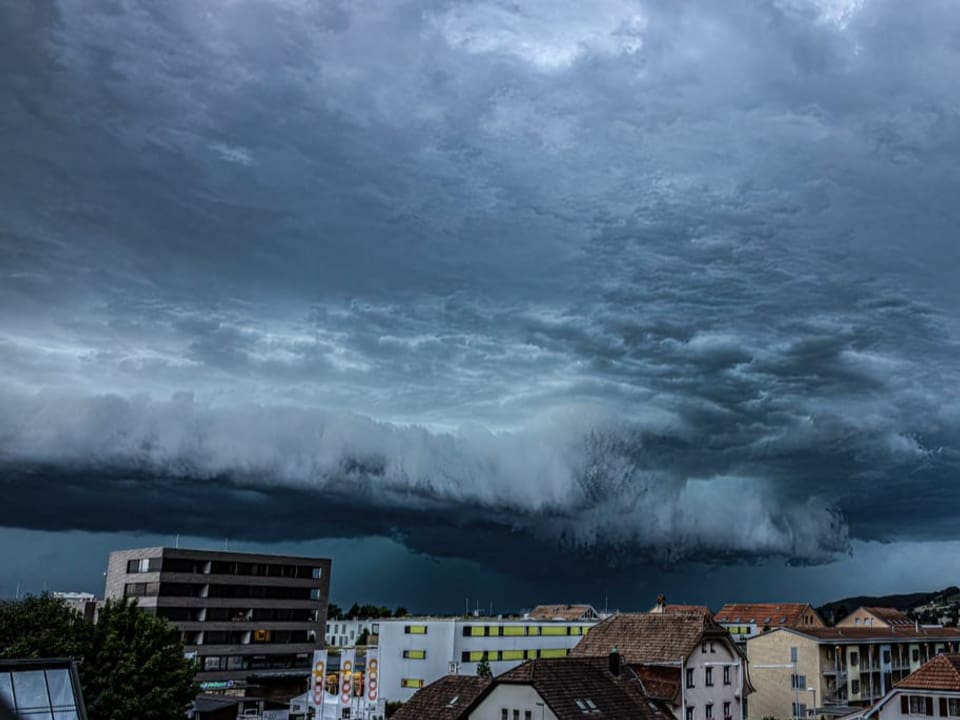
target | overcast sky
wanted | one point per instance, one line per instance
(548, 298)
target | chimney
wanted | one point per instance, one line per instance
(661, 602)
(614, 662)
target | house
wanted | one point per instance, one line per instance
(685, 660)
(876, 617)
(449, 698)
(838, 670)
(601, 688)
(563, 613)
(662, 607)
(744, 620)
(931, 691)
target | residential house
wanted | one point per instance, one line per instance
(876, 617)
(685, 660)
(931, 691)
(744, 620)
(450, 698)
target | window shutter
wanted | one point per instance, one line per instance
(929, 706)
(904, 705)
(943, 707)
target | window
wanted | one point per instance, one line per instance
(799, 710)
(886, 657)
(854, 657)
(703, 647)
(316, 573)
(314, 593)
(793, 654)
(916, 705)
(798, 682)
(726, 674)
(708, 714)
(916, 655)
(708, 677)
(689, 713)
(690, 678)
(415, 629)
(713, 647)
(855, 687)
(411, 683)
(527, 715)
(39, 693)
(415, 654)
(504, 714)
(953, 707)
(726, 711)
(516, 714)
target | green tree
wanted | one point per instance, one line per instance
(41, 627)
(401, 612)
(483, 669)
(334, 612)
(135, 667)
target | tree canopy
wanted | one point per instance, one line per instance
(132, 663)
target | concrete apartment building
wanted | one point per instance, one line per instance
(415, 652)
(931, 691)
(745, 620)
(249, 619)
(834, 671)
(684, 660)
(345, 633)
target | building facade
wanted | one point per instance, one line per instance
(834, 671)
(248, 619)
(415, 652)
(348, 633)
(876, 617)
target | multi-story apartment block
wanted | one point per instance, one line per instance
(831, 671)
(684, 660)
(744, 620)
(415, 652)
(248, 619)
(349, 633)
(931, 691)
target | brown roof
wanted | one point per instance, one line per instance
(562, 612)
(648, 638)
(889, 615)
(449, 698)
(687, 609)
(574, 687)
(659, 682)
(772, 614)
(941, 673)
(896, 633)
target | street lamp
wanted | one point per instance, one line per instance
(814, 691)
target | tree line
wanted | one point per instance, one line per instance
(365, 611)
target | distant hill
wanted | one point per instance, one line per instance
(834, 611)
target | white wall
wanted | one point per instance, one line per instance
(512, 697)
(891, 710)
(698, 696)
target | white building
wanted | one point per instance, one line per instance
(414, 652)
(346, 633)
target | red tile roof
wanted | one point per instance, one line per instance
(449, 698)
(686, 610)
(876, 632)
(649, 638)
(575, 687)
(659, 682)
(771, 614)
(941, 673)
(891, 616)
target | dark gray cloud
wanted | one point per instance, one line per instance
(649, 281)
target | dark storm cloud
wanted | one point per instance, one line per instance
(646, 280)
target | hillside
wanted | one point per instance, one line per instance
(946, 600)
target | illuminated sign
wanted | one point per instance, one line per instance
(217, 685)
(318, 675)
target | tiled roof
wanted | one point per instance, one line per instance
(449, 698)
(876, 632)
(648, 638)
(772, 614)
(575, 687)
(941, 673)
(563, 612)
(891, 616)
(687, 610)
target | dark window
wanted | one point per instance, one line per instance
(690, 678)
(709, 711)
(726, 711)
(708, 677)
(726, 674)
(916, 655)
(855, 687)
(689, 713)
(854, 657)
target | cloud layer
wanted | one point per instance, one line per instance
(659, 280)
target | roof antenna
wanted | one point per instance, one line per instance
(225, 544)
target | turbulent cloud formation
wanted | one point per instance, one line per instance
(646, 281)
